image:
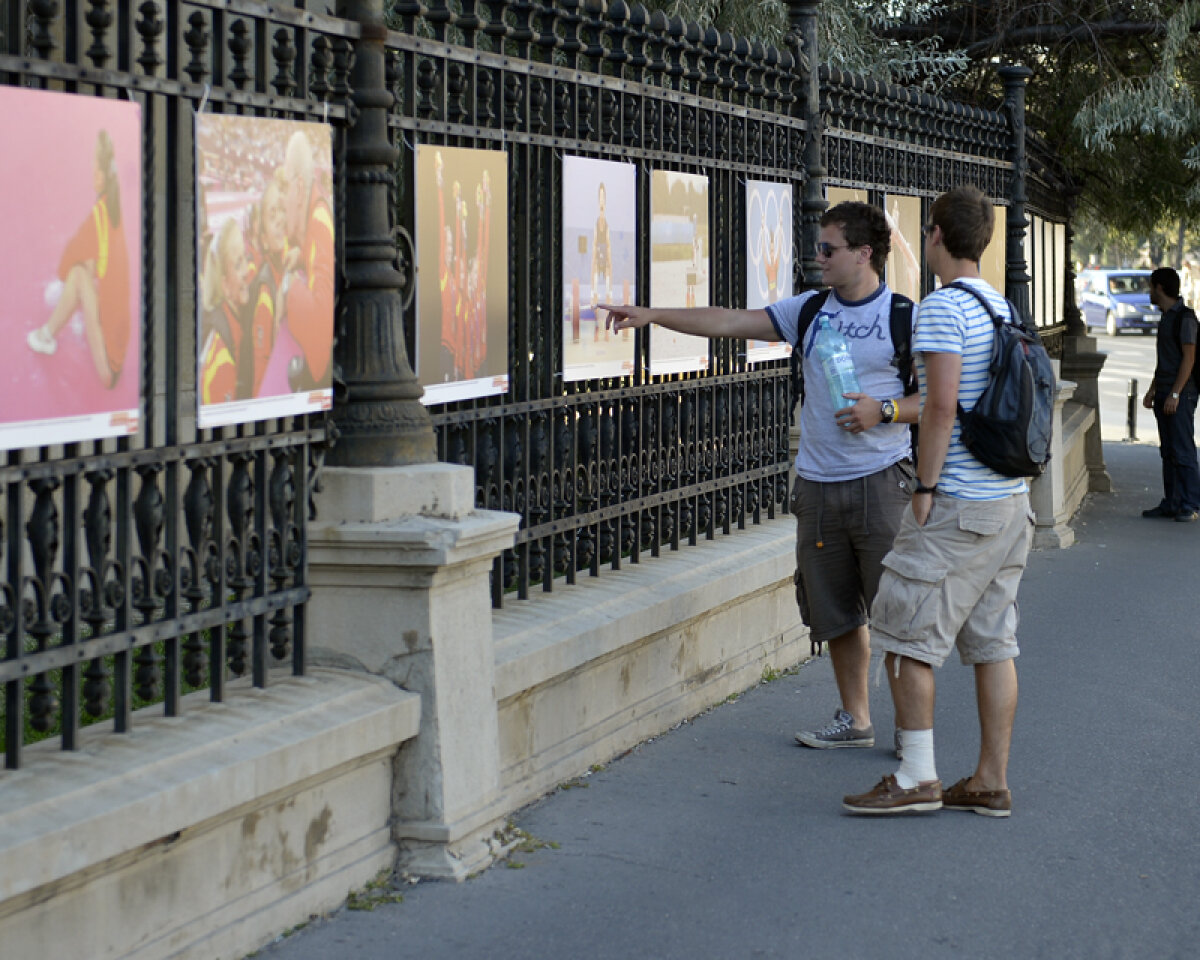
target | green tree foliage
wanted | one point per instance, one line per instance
(1113, 87)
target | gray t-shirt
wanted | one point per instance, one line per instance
(828, 453)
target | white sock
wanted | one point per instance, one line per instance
(917, 765)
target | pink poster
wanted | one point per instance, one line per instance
(266, 261)
(70, 264)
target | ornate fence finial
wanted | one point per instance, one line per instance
(240, 44)
(42, 13)
(284, 52)
(99, 19)
(196, 38)
(150, 26)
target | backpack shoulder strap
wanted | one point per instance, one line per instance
(1014, 317)
(808, 313)
(901, 323)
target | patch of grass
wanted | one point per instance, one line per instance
(378, 891)
(512, 839)
(31, 736)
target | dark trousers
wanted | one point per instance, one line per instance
(1177, 446)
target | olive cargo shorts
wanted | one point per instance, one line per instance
(843, 531)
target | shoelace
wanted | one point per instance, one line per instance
(840, 724)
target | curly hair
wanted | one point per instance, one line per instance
(863, 226)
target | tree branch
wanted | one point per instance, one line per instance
(979, 40)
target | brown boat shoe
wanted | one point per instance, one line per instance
(988, 803)
(888, 797)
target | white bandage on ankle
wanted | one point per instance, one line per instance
(918, 766)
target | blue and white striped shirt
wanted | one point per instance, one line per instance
(953, 321)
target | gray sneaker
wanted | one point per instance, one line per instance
(839, 733)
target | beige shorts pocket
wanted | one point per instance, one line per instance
(985, 525)
(909, 600)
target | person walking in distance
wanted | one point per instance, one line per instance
(951, 578)
(1172, 397)
(854, 470)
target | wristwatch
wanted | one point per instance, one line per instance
(888, 409)
(921, 488)
(1174, 396)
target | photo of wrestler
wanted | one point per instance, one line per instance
(836, 195)
(679, 254)
(993, 263)
(904, 261)
(768, 257)
(266, 238)
(462, 273)
(599, 255)
(70, 262)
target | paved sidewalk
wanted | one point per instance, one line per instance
(722, 839)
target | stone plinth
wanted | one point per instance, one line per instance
(1082, 363)
(400, 565)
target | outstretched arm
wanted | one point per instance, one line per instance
(697, 321)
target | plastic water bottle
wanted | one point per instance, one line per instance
(833, 357)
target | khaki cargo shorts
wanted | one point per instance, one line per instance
(953, 582)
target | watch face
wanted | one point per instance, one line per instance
(889, 411)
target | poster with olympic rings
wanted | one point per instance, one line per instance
(768, 257)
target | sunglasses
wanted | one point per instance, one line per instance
(927, 229)
(825, 249)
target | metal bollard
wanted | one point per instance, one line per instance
(1131, 414)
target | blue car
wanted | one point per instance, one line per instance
(1117, 300)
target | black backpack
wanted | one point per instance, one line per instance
(1011, 425)
(900, 322)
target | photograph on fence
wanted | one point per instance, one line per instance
(904, 260)
(1059, 297)
(1036, 264)
(768, 257)
(71, 265)
(992, 265)
(678, 265)
(462, 273)
(265, 262)
(599, 264)
(836, 195)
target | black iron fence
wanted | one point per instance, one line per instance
(135, 570)
(606, 471)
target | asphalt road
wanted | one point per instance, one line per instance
(1130, 357)
(722, 839)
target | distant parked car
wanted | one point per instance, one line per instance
(1117, 300)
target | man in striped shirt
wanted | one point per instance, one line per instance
(951, 578)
